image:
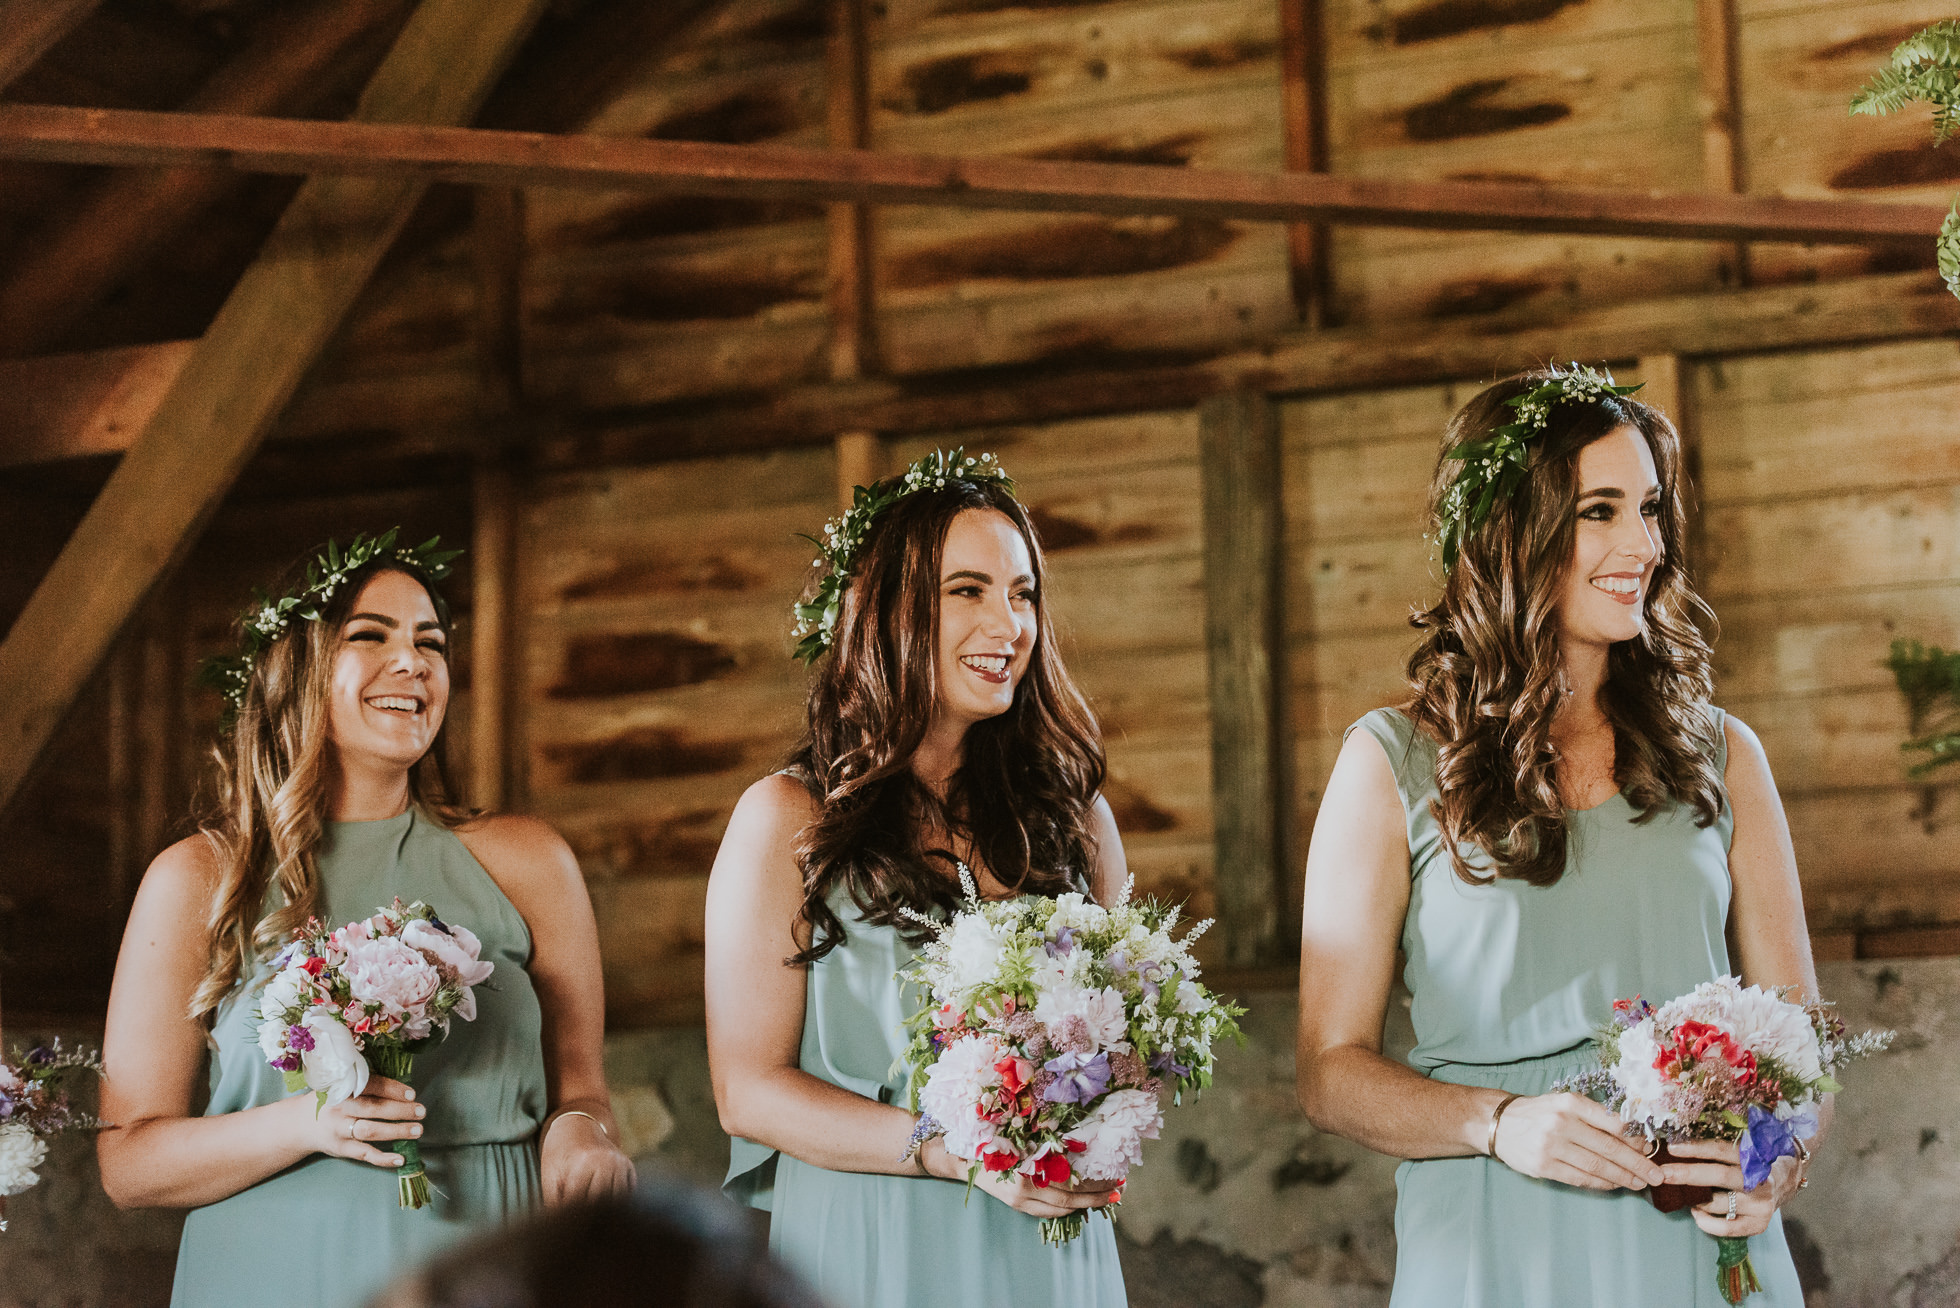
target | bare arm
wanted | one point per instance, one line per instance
(155, 1154)
(1356, 897)
(1112, 866)
(755, 1019)
(1771, 944)
(533, 866)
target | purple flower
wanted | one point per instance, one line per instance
(298, 1038)
(40, 1056)
(6, 1104)
(1063, 944)
(1164, 1064)
(1767, 1139)
(286, 1063)
(1078, 1078)
(1119, 964)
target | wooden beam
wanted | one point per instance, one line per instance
(128, 137)
(861, 457)
(30, 28)
(69, 406)
(1718, 55)
(1303, 120)
(497, 248)
(1726, 323)
(492, 612)
(273, 326)
(853, 259)
(1239, 463)
(84, 254)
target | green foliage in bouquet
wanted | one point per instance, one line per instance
(1929, 678)
(1925, 68)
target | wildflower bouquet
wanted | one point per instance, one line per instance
(1051, 1030)
(34, 1106)
(1725, 1062)
(372, 993)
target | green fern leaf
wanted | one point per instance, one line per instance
(1949, 249)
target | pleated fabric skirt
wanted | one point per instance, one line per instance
(1472, 1233)
(329, 1232)
(865, 1241)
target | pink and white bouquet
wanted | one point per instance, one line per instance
(33, 1106)
(1050, 1031)
(1724, 1062)
(369, 995)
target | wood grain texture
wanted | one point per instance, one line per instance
(272, 328)
(30, 28)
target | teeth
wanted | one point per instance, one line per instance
(396, 702)
(995, 663)
(1617, 585)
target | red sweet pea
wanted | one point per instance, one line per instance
(1051, 1169)
(1015, 1073)
(1073, 1145)
(315, 966)
(998, 1162)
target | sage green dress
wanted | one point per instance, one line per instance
(872, 1241)
(1509, 982)
(328, 1232)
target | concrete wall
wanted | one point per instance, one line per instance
(1242, 1203)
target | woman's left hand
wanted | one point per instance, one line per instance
(578, 1161)
(1716, 1164)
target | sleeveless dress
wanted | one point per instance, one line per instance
(869, 1241)
(327, 1232)
(1509, 982)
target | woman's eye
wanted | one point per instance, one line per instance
(367, 635)
(1025, 597)
(1652, 508)
(434, 646)
(967, 592)
(1597, 513)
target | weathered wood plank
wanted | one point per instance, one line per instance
(126, 137)
(30, 28)
(493, 622)
(69, 406)
(1303, 115)
(273, 326)
(1240, 461)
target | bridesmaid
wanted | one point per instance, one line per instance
(943, 729)
(332, 802)
(1555, 819)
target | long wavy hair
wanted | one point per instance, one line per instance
(1022, 794)
(1486, 676)
(270, 793)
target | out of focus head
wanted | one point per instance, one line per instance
(663, 1245)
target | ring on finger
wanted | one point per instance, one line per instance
(1732, 1200)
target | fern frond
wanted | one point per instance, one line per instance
(1949, 249)
(1938, 44)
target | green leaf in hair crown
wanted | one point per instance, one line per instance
(843, 537)
(269, 617)
(1494, 466)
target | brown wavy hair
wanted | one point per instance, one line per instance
(269, 806)
(1486, 675)
(1022, 794)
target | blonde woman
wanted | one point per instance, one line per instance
(332, 802)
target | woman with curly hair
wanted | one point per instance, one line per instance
(943, 730)
(1556, 818)
(332, 801)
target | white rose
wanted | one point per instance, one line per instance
(281, 993)
(334, 1063)
(973, 950)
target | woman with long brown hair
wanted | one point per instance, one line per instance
(943, 731)
(1556, 818)
(331, 802)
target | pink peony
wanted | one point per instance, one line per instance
(454, 952)
(389, 973)
(1112, 1137)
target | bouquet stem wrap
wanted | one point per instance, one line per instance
(1734, 1273)
(412, 1180)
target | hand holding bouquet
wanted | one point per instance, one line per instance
(369, 995)
(1728, 1063)
(1052, 1029)
(34, 1106)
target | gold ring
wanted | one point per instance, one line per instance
(1653, 1145)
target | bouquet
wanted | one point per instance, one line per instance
(1726, 1062)
(371, 994)
(1051, 1030)
(33, 1106)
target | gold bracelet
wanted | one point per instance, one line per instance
(574, 1112)
(1496, 1115)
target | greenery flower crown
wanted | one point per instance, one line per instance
(816, 617)
(268, 619)
(1494, 466)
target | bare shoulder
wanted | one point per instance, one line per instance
(776, 807)
(1748, 763)
(187, 871)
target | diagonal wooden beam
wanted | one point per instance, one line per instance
(29, 29)
(84, 254)
(274, 325)
(771, 172)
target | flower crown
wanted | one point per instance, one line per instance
(268, 619)
(816, 617)
(1494, 466)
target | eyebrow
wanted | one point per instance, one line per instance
(983, 578)
(390, 623)
(1613, 493)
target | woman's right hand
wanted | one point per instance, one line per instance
(1017, 1191)
(384, 1112)
(1573, 1140)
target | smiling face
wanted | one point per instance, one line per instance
(390, 685)
(1616, 544)
(987, 617)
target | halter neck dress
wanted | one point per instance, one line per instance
(327, 1232)
(862, 1240)
(1509, 982)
